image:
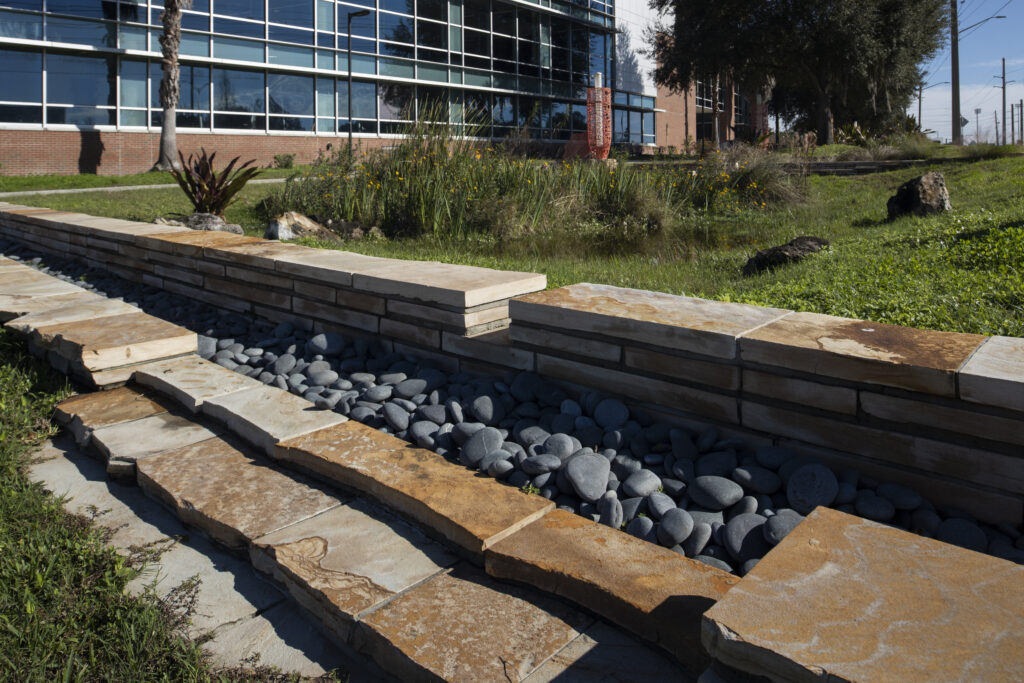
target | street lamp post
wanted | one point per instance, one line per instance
(348, 32)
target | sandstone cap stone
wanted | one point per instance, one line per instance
(191, 380)
(81, 309)
(994, 375)
(845, 599)
(15, 305)
(84, 413)
(124, 444)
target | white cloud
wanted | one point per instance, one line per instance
(998, 63)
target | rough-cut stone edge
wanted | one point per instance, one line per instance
(156, 375)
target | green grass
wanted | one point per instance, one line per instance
(71, 182)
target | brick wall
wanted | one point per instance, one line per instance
(34, 152)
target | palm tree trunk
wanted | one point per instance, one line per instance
(170, 84)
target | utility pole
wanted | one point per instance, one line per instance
(977, 126)
(954, 33)
(1004, 101)
(1020, 110)
(995, 117)
(920, 93)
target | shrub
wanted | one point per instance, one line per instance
(284, 160)
(208, 190)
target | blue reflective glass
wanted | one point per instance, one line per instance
(324, 15)
(364, 99)
(133, 117)
(325, 39)
(192, 44)
(396, 50)
(292, 123)
(477, 14)
(503, 111)
(395, 28)
(132, 38)
(184, 119)
(95, 33)
(649, 123)
(21, 113)
(290, 35)
(81, 116)
(635, 128)
(242, 121)
(620, 125)
(365, 27)
(35, 5)
(237, 90)
(74, 79)
(194, 83)
(133, 83)
(292, 56)
(238, 28)
(358, 45)
(294, 12)
(15, 25)
(401, 6)
(21, 78)
(132, 12)
(396, 101)
(429, 34)
(290, 94)
(197, 5)
(241, 50)
(96, 9)
(325, 96)
(247, 9)
(195, 22)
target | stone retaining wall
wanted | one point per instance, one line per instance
(941, 412)
(419, 308)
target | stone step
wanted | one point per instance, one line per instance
(845, 599)
(379, 584)
(84, 413)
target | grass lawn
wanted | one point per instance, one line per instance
(70, 182)
(961, 271)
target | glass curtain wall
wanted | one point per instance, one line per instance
(279, 65)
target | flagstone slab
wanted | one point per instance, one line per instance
(346, 562)
(604, 653)
(652, 591)
(266, 415)
(470, 510)
(15, 305)
(845, 599)
(228, 493)
(446, 284)
(191, 242)
(862, 351)
(191, 380)
(100, 307)
(326, 265)
(84, 413)
(994, 375)
(462, 626)
(34, 283)
(676, 322)
(116, 340)
(124, 444)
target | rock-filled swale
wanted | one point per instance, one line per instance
(718, 500)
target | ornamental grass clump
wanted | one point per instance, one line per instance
(443, 180)
(208, 190)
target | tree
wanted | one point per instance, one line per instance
(833, 58)
(170, 83)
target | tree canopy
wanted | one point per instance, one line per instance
(832, 61)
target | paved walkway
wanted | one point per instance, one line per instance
(120, 188)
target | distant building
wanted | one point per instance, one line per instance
(79, 78)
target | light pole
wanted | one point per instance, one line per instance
(954, 54)
(977, 125)
(348, 32)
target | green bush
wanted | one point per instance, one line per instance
(284, 160)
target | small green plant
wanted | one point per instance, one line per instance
(530, 489)
(284, 160)
(208, 190)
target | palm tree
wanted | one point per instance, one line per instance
(170, 86)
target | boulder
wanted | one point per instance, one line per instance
(292, 225)
(921, 196)
(209, 221)
(795, 250)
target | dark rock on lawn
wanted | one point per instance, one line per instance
(921, 196)
(795, 250)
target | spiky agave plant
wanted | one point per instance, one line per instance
(208, 190)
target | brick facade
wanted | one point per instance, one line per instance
(67, 152)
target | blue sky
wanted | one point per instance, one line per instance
(981, 50)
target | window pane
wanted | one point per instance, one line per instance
(194, 86)
(35, 5)
(402, 6)
(21, 113)
(433, 103)
(324, 15)
(96, 9)
(14, 25)
(73, 79)
(133, 117)
(291, 123)
(364, 27)
(635, 130)
(184, 120)
(529, 25)
(620, 125)
(290, 94)
(243, 121)
(95, 33)
(242, 50)
(80, 116)
(478, 14)
(395, 101)
(433, 9)
(290, 35)
(132, 38)
(433, 35)
(503, 112)
(504, 18)
(292, 56)
(395, 28)
(247, 9)
(192, 44)
(237, 90)
(238, 28)
(478, 43)
(294, 12)
(455, 38)
(364, 100)
(134, 11)
(133, 83)
(504, 48)
(21, 78)
(396, 50)
(325, 97)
